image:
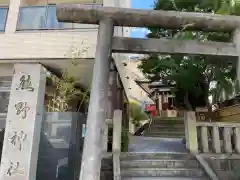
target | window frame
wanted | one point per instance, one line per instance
(6, 7)
(28, 7)
(5, 89)
(48, 28)
(45, 28)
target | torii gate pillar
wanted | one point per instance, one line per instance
(92, 151)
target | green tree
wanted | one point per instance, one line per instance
(136, 114)
(193, 74)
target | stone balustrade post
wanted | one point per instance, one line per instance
(117, 131)
(191, 131)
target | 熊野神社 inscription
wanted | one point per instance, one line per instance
(23, 125)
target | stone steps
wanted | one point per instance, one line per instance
(143, 166)
(164, 178)
(159, 172)
(168, 120)
(162, 133)
(155, 156)
(166, 128)
(106, 168)
(159, 118)
(225, 166)
(168, 124)
(227, 175)
(165, 136)
(160, 163)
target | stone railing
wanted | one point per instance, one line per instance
(211, 137)
(218, 137)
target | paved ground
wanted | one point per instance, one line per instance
(155, 144)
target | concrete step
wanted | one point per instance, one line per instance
(154, 156)
(228, 175)
(161, 172)
(158, 118)
(165, 134)
(165, 131)
(167, 121)
(106, 168)
(178, 122)
(160, 163)
(104, 175)
(165, 178)
(107, 163)
(160, 134)
(168, 126)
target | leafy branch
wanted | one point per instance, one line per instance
(66, 87)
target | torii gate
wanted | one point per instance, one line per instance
(107, 18)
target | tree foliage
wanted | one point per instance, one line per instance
(193, 74)
(136, 114)
(67, 89)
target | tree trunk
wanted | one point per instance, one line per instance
(187, 103)
(209, 107)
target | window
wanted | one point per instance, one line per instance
(3, 13)
(46, 2)
(52, 22)
(3, 17)
(32, 18)
(41, 14)
(4, 99)
(5, 86)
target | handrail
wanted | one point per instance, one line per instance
(210, 172)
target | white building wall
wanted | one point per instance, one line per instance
(44, 44)
(54, 45)
(134, 91)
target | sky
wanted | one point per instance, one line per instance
(140, 4)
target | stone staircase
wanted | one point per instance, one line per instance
(166, 128)
(157, 166)
(225, 169)
(107, 168)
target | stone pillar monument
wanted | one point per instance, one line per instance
(23, 124)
